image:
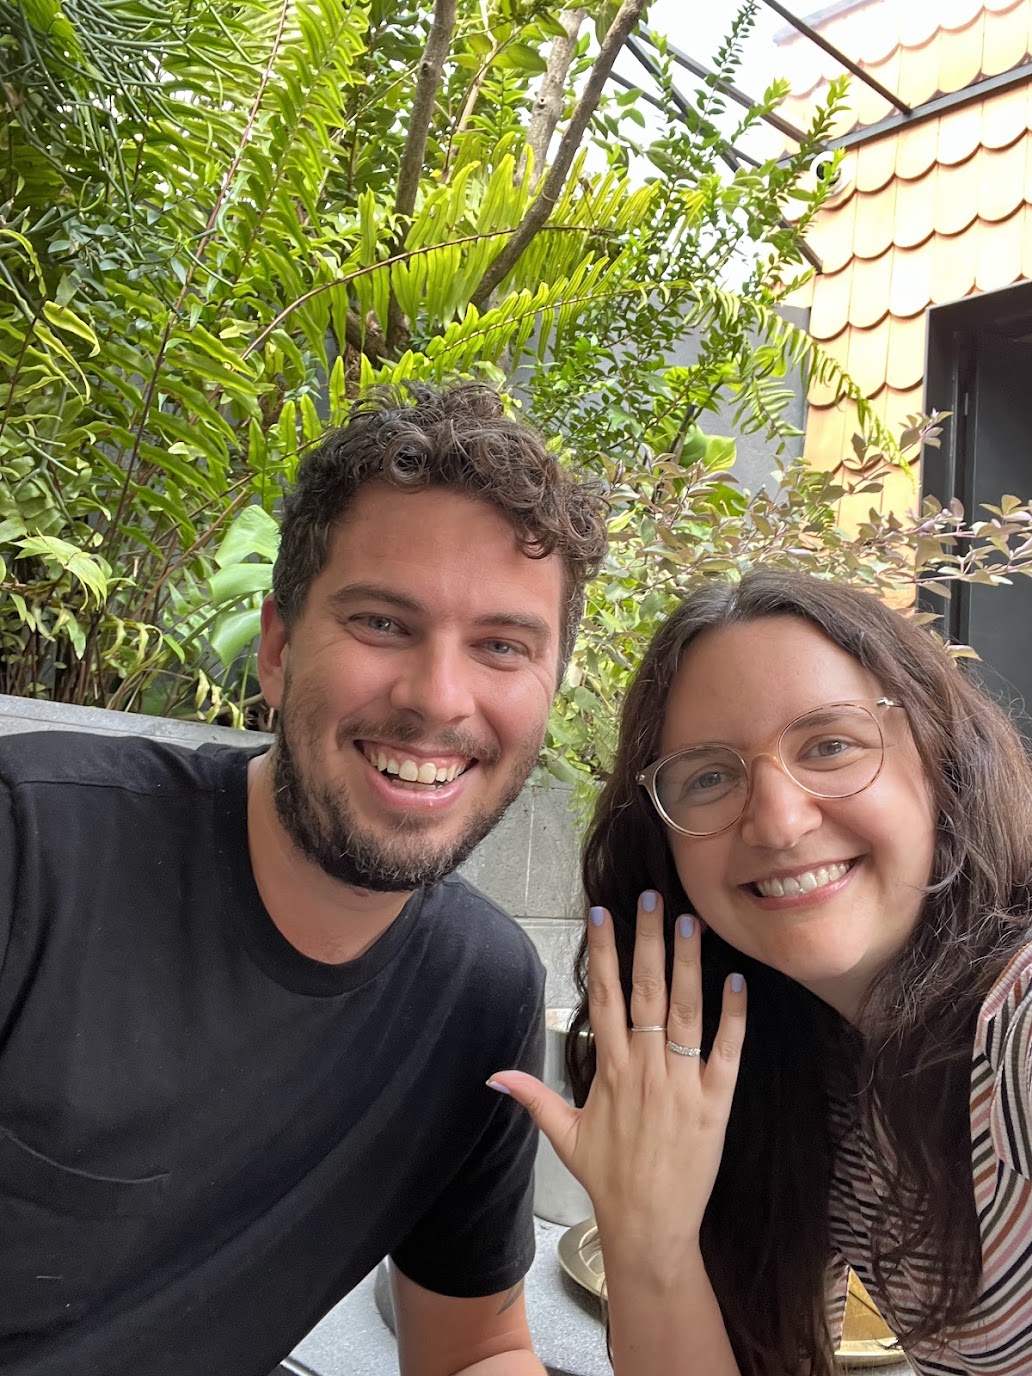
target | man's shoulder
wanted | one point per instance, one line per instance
(135, 764)
(484, 931)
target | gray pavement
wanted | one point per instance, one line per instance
(354, 1340)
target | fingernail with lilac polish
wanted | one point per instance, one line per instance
(649, 899)
(737, 983)
(597, 916)
(687, 926)
(499, 1088)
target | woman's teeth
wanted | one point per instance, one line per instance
(801, 883)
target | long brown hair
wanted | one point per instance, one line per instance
(765, 1236)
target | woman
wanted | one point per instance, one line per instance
(810, 775)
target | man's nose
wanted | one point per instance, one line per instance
(779, 812)
(435, 681)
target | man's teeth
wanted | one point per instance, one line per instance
(411, 772)
(801, 883)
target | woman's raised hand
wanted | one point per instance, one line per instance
(647, 1143)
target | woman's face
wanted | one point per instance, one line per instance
(851, 871)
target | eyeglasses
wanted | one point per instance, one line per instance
(831, 752)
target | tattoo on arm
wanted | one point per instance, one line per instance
(511, 1298)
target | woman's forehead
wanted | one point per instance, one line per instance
(739, 683)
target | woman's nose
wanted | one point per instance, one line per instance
(779, 812)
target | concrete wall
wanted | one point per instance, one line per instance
(528, 864)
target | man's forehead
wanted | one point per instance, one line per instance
(434, 548)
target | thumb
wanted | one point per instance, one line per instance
(550, 1111)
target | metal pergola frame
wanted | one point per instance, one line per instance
(734, 157)
(907, 115)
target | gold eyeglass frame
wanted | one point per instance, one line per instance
(647, 777)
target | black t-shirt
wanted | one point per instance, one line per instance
(206, 1138)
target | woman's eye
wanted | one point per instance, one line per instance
(713, 778)
(829, 749)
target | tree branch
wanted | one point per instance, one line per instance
(438, 46)
(551, 187)
(549, 104)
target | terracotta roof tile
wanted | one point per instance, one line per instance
(910, 287)
(1006, 39)
(822, 394)
(916, 149)
(998, 252)
(933, 214)
(960, 132)
(952, 270)
(867, 358)
(917, 24)
(901, 490)
(874, 221)
(875, 163)
(919, 72)
(1001, 180)
(825, 437)
(960, 53)
(868, 32)
(916, 50)
(914, 211)
(869, 290)
(904, 367)
(834, 234)
(1007, 116)
(831, 428)
(830, 309)
(952, 192)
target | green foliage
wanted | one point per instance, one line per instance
(198, 251)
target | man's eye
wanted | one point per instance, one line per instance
(505, 649)
(378, 623)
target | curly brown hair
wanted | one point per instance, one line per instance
(458, 438)
(907, 1073)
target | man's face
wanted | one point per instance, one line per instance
(414, 689)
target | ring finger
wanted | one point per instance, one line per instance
(648, 971)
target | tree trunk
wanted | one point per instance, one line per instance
(438, 46)
(549, 104)
(541, 208)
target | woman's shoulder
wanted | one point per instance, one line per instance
(1006, 1007)
(1002, 1072)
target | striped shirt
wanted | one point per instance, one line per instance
(997, 1337)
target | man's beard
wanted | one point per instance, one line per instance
(321, 823)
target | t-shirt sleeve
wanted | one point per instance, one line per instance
(478, 1236)
(8, 860)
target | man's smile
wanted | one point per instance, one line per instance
(401, 763)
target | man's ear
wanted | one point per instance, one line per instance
(273, 650)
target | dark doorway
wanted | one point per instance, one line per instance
(980, 369)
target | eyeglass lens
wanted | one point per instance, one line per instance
(832, 753)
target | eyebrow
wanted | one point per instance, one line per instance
(376, 592)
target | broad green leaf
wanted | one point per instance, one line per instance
(252, 532)
(232, 583)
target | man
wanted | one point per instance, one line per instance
(246, 1010)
